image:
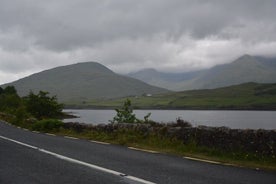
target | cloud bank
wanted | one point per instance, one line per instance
(128, 35)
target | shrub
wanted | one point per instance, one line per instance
(47, 125)
(42, 106)
(181, 123)
(125, 114)
(9, 100)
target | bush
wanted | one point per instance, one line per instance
(20, 116)
(125, 114)
(9, 100)
(42, 106)
(47, 125)
(181, 123)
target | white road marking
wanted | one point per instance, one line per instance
(99, 142)
(17, 142)
(62, 157)
(144, 150)
(36, 132)
(212, 162)
(50, 134)
(70, 137)
(202, 160)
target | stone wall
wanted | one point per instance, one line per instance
(259, 142)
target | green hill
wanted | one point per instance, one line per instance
(248, 96)
(82, 82)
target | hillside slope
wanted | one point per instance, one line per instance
(82, 82)
(248, 96)
(244, 69)
(172, 81)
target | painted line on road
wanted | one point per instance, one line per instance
(17, 142)
(212, 162)
(99, 142)
(62, 157)
(50, 134)
(202, 160)
(144, 150)
(68, 137)
(36, 132)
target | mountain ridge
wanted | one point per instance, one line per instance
(242, 70)
(83, 82)
(86, 81)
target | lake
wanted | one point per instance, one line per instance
(232, 119)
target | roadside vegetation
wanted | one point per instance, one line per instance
(125, 115)
(41, 112)
(34, 111)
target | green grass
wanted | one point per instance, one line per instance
(246, 96)
(152, 141)
(175, 147)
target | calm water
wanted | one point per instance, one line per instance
(232, 119)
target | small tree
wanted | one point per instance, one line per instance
(1, 90)
(9, 100)
(10, 90)
(125, 114)
(146, 118)
(42, 106)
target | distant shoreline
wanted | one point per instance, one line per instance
(166, 108)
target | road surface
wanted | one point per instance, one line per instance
(31, 157)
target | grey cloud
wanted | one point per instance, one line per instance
(69, 24)
(176, 35)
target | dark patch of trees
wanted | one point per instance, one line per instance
(1, 90)
(9, 100)
(42, 106)
(39, 105)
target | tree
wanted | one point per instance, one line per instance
(9, 100)
(125, 114)
(42, 106)
(1, 91)
(10, 90)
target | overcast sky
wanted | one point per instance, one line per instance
(128, 35)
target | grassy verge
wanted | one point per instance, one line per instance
(150, 141)
(172, 146)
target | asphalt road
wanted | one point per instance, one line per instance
(29, 157)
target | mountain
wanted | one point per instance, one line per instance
(83, 82)
(166, 80)
(244, 69)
